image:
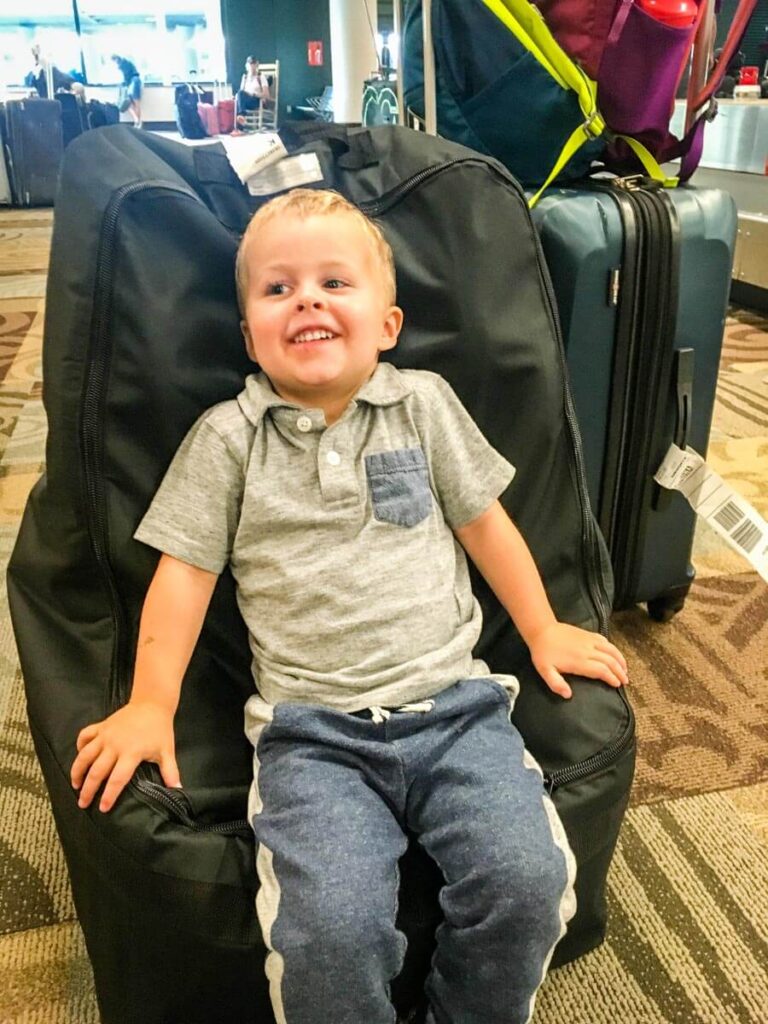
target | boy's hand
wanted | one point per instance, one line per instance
(112, 749)
(564, 648)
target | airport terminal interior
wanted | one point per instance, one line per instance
(687, 938)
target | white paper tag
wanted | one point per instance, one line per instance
(714, 500)
(250, 154)
(302, 169)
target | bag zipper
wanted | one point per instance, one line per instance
(92, 455)
(596, 762)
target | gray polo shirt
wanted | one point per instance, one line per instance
(353, 587)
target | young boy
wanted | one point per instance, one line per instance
(344, 493)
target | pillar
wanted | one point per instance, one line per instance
(353, 54)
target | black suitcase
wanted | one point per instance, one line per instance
(188, 120)
(5, 183)
(641, 275)
(142, 333)
(73, 116)
(34, 147)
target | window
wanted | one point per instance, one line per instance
(49, 23)
(165, 39)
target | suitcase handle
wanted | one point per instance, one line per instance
(683, 381)
(684, 392)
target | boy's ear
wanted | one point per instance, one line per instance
(248, 340)
(393, 322)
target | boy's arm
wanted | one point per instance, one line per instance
(498, 550)
(142, 730)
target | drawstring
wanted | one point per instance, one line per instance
(379, 715)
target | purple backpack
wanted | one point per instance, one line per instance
(638, 62)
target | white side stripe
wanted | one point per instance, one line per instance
(268, 896)
(267, 906)
(568, 899)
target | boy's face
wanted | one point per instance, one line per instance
(316, 313)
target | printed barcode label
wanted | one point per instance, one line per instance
(729, 516)
(717, 503)
(747, 535)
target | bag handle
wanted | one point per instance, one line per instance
(353, 149)
(430, 75)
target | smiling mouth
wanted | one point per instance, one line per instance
(305, 337)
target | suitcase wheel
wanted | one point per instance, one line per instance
(665, 607)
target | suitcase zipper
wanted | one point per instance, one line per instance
(92, 453)
(650, 321)
(656, 315)
(589, 537)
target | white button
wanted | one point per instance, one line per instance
(333, 458)
(304, 423)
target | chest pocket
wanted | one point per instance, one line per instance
(399, 485)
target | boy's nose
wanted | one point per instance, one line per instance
(308, 301)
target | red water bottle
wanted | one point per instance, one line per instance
(675, 13)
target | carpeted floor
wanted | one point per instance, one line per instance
(688, 940)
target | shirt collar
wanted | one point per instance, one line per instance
(386, 386)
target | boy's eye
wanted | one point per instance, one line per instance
(276, 288)
(334, 282)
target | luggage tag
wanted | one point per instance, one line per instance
(284, 173)
(714, 500)
(262, 163)
(249, 154)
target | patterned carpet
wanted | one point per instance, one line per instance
(688, 940)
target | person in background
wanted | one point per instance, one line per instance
(131, 90)
(385, 58)
(253, 91)
(37, 77)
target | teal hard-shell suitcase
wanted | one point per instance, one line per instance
(641, 275)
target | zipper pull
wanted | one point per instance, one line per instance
(636, 183)
(614, 286)
(630, 183)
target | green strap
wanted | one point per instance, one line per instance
(650, 163)
(574, 143)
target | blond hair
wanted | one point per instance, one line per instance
(311, 202)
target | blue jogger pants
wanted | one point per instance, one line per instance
(332, 797)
